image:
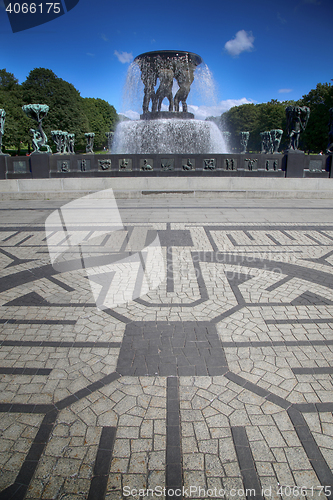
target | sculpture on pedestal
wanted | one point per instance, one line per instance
(266, 143)
(329, 149)
(276, 136)
(297, 119)
(244, 139)
(70, 143)
(109, 136)
(60, 139)
(270, 141)
(90, 142)
(37, 112)
(2, 127)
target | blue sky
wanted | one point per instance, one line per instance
(257, 50)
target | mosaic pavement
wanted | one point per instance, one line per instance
(217, 384)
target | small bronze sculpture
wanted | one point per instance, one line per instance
(276, 136)
(167, 166)
(123, 165)
(297, 119)
(109, 136)
(250, 163)
(90, 142)
(60, 139)
(266, 142)
(229, 162)
(209, 164)
(37, 112)
(65, 166)
(188, 166)
(70, 143)
(146, 165)
(244, 139)
(104, 164)
(270, 141)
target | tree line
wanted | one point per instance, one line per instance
(256, 118)
(68, 110)
(74, 114)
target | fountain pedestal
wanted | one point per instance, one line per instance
(159, 115)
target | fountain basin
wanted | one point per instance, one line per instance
(189, 57)
(168, 136)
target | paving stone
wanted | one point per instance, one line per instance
(233, 332)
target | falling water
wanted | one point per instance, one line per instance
(133, 89)
(168, 137)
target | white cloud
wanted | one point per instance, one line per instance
(242, 42)
(104, 37)
(285, 91)
(200, 112)
(124, 57)
(132, 115)
(90, 54)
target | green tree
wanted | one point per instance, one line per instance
(66, 105)
(240, 119)
(271, 116)
(319, 100)
(102, 117)
(11, 100)
(255, 118)
(7, 80)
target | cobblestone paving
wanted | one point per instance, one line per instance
(218, 383)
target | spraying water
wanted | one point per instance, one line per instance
(160, 76)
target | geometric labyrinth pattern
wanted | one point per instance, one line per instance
(216, 384)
